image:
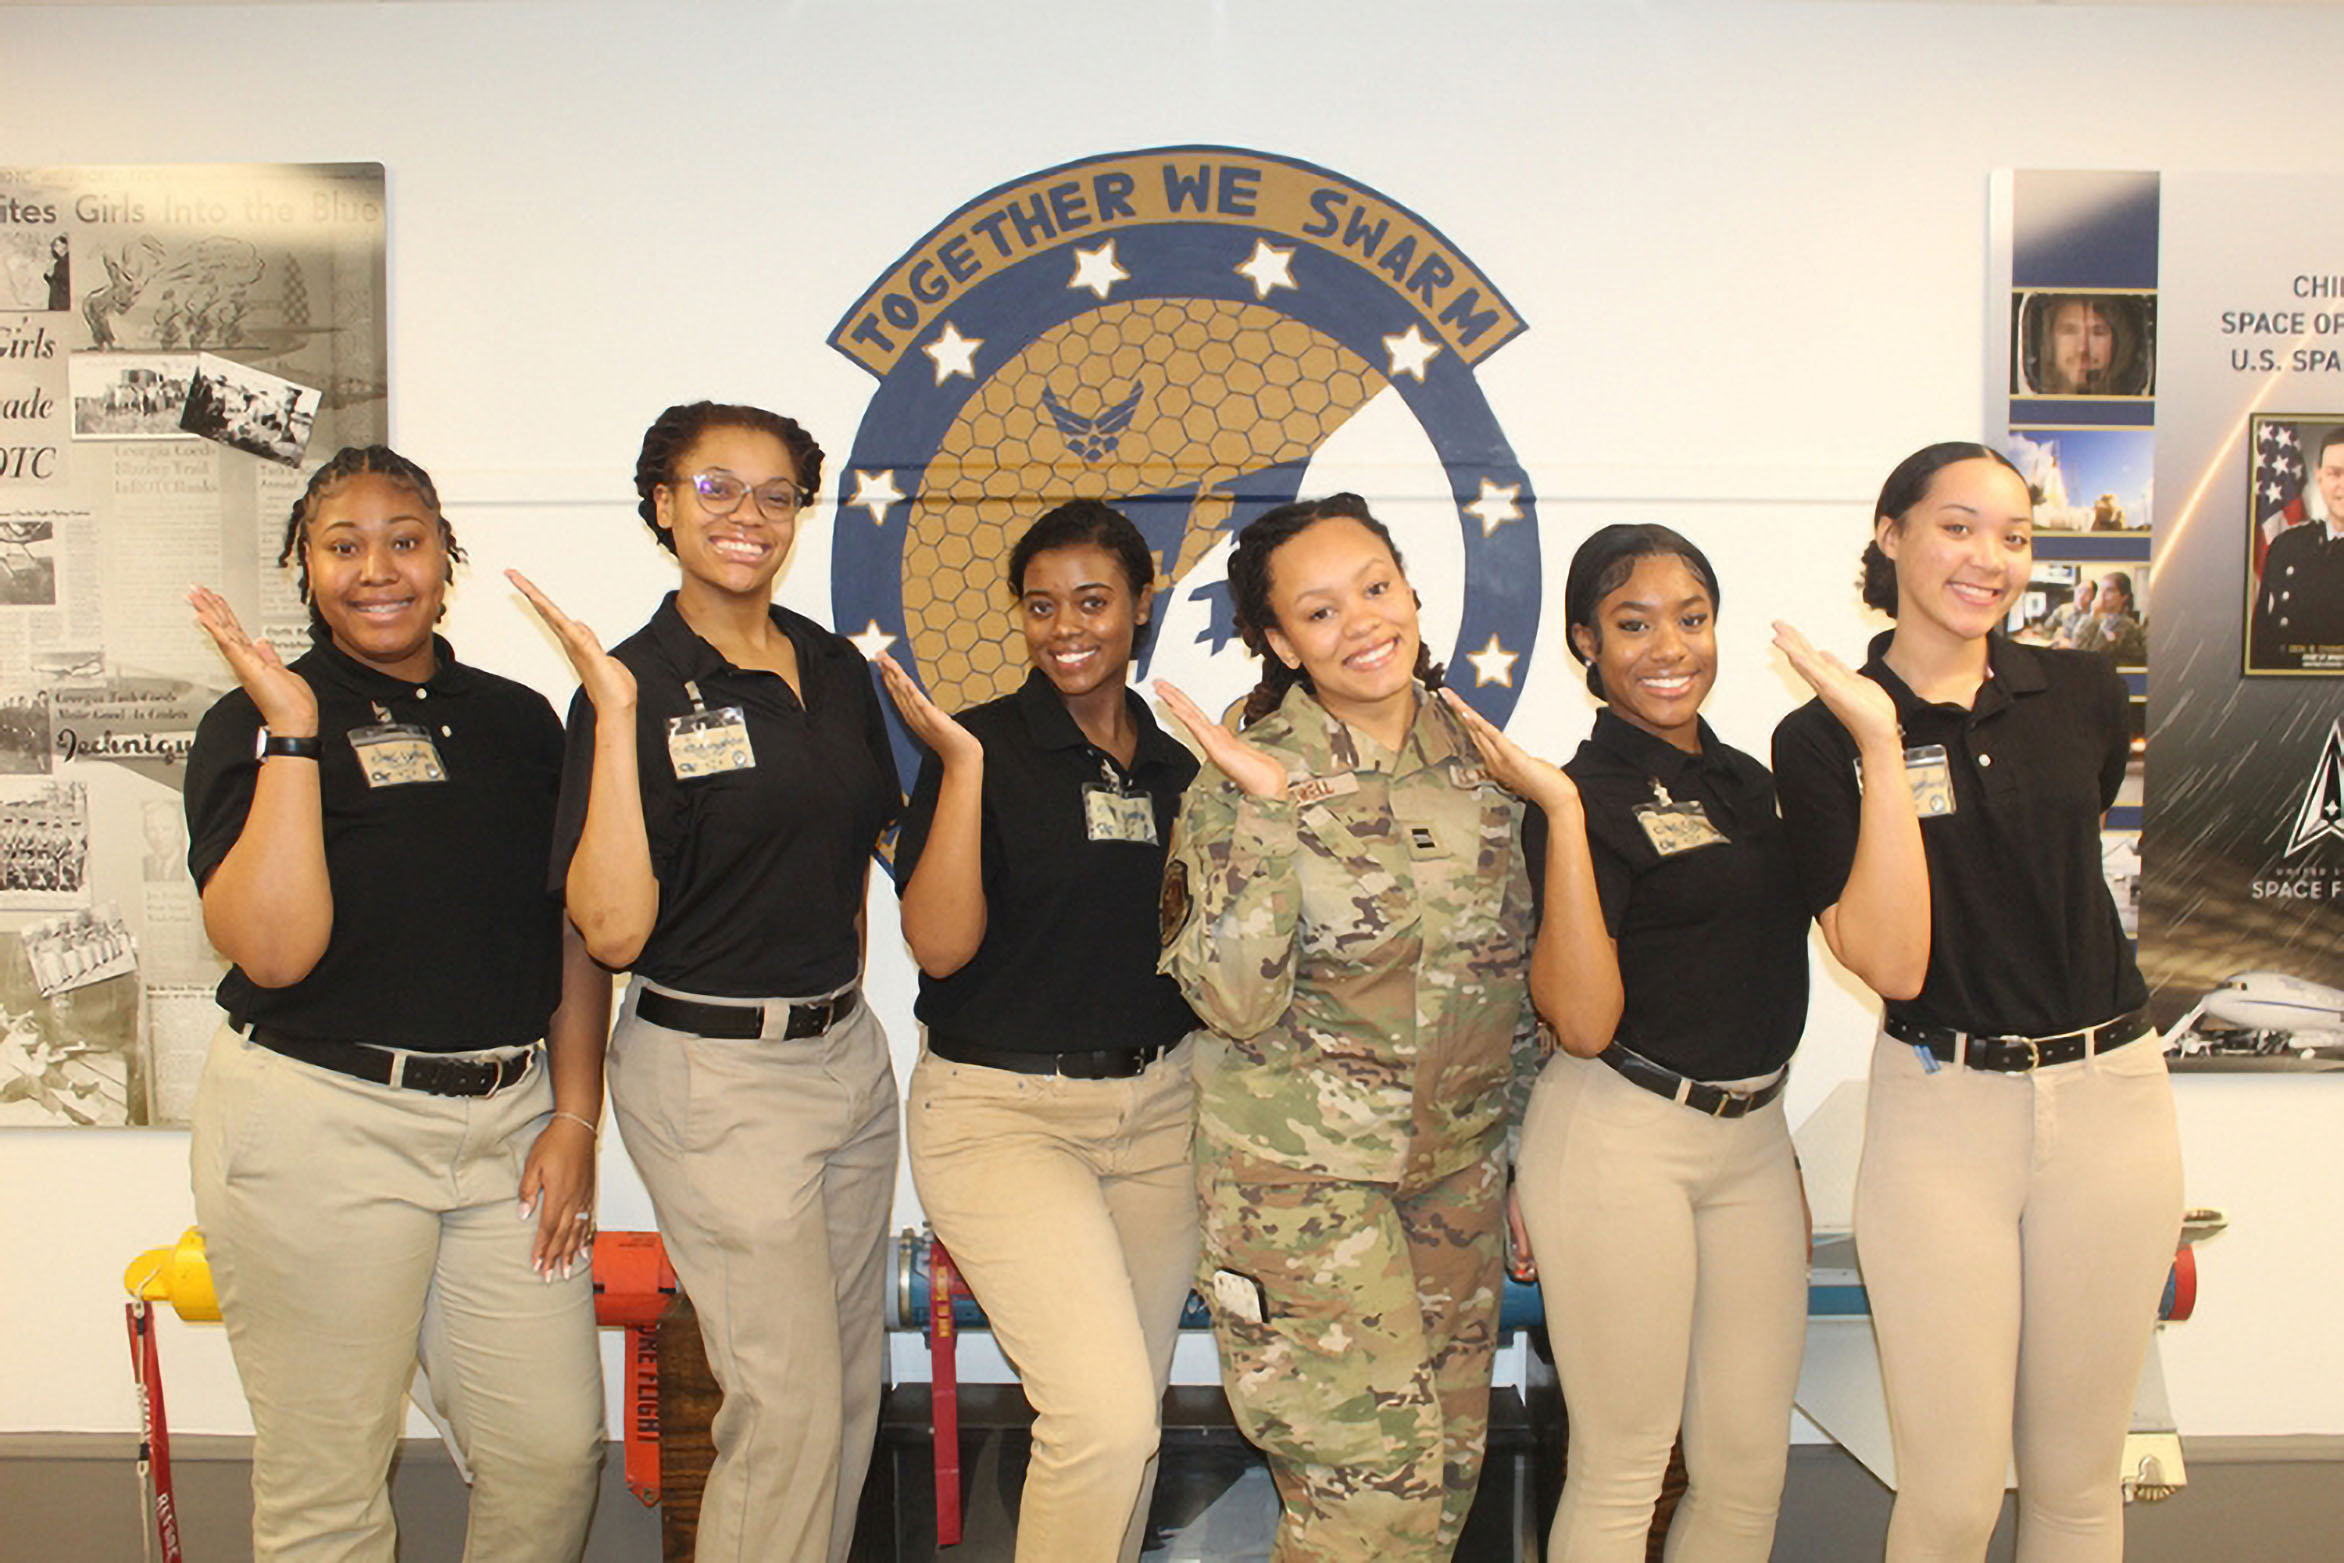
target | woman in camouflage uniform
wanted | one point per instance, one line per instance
(1347, 910)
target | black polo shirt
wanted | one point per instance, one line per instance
(2023, 936)
(1713, 940)
(1068, 962)
(445, 936)
(760, 870)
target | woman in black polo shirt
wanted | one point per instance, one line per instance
(370, 827)
(1049, 1116)
(1656, 1177)
(2020, 1193)
(727, 777)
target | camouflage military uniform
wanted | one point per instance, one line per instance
(1358, 950)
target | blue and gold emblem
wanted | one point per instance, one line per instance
(1189, 334)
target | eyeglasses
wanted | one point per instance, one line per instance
(720, 495)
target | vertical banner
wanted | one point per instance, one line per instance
(2072, 394)
(179, 345)
(2242, 843)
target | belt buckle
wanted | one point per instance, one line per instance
(1725, 1099)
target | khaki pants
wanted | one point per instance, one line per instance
(1070, 1207)
(1366, 1382)
(2015, 1232)
(771, 1168)
(354, 1229)
(1672, 1253)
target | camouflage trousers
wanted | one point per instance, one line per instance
(1366, 1379)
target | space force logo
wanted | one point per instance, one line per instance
(1193, 334)
(2321, 814)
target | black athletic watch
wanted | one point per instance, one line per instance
(300, 748)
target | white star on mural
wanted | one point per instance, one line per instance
(877, 493)
(954, 353)
(1268, 268)
(1493, 664)
(872, 641)
(1496, 505)
(1097, 270)
(1410, 352)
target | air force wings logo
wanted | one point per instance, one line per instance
(1193, 334)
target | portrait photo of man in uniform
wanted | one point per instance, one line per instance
(2295, 616)
(2083, 344)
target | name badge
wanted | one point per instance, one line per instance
(705, 743)
(1317, 789)
(1110, 814)
(396, 754)
(1930, 776)
(1677, 827)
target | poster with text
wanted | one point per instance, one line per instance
(179, 346)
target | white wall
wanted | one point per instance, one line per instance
(1748, 238)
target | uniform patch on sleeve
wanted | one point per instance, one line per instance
(1172, 903)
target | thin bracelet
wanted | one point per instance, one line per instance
(580, 1122)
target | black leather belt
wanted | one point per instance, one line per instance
(2015, 1055)
(1105, 1063)
(1715, 1100)
(743, 1022)
(426, 1072)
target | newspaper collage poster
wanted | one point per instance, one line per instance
(179, 346)
(2175, 354)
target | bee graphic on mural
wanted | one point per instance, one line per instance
(1182, 333)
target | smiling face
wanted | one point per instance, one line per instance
(378, 572)
(2083, 345)
(1345, 616)
(1654, 641)
(1963, 552)
(2330, 473)
(1079, 615)
(741, 551)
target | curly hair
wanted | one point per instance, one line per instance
(1906, 487)
(1602, 566)
(1249, 591)
(1092, 522)
(676, 430)
(349, 462)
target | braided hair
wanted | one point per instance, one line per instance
(349, 462)
(676, 430)
(1249, 591)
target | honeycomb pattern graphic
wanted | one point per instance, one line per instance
(1157, 394)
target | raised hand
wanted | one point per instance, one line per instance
(930, 723)
(607, 681)
(1256, 772)
(287, 705)
(1862, 706)
(1518, 770)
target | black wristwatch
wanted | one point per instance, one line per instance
(300, 748)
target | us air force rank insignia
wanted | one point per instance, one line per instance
(1184, 333)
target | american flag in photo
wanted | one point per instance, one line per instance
(2278, 485)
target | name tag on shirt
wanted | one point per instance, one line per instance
(396, 754)
(1111, 815)
(1930, 776)
(1677, 827)
(1317, 789)
(706, 743)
